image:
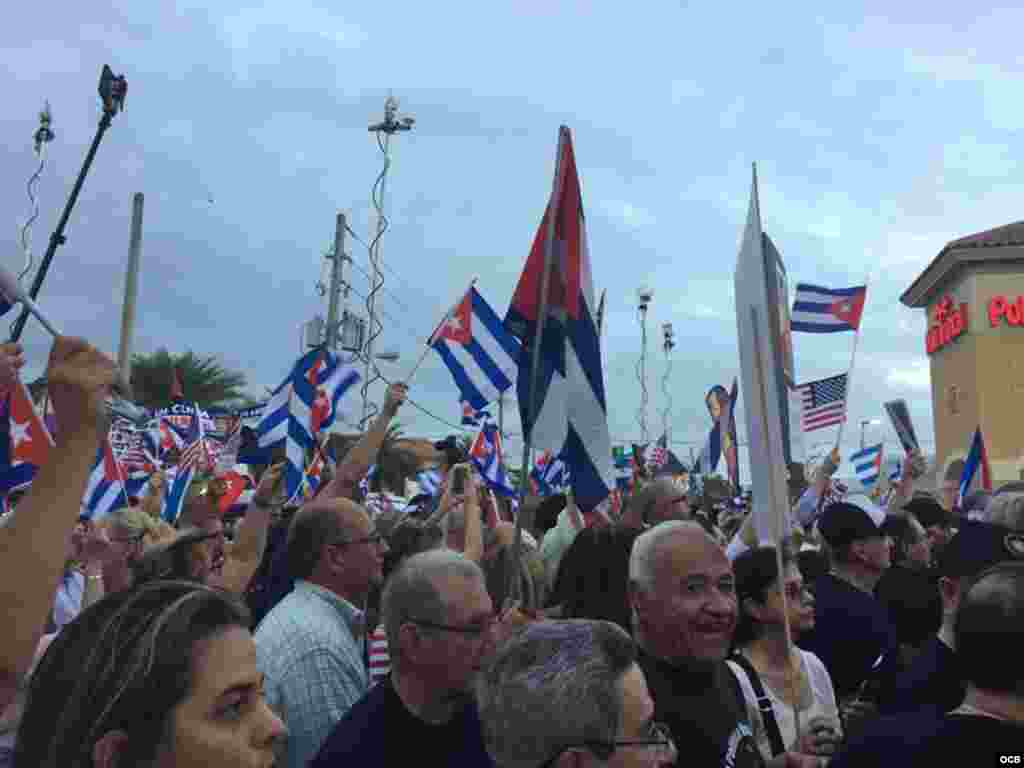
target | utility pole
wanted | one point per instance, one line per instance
(131, 291)
(337, 265)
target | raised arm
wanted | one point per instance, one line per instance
(357, 461)
(34, 543)
(251, 543)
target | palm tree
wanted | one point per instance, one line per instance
(395, 464)
(203, 380)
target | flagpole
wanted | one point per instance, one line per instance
(849, 372)
(514, 578)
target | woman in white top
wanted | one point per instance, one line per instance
(803, 702)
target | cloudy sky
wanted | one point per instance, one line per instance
(880, 133)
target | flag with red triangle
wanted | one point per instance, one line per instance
(827, 310)
(27, 444)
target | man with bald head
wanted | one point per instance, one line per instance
(311, 645)
(683, 599)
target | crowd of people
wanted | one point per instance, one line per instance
(353, 631)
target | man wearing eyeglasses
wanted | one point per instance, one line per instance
(570, 694)
(440, 626)
(311, 645)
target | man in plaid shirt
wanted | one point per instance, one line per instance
(311, 645)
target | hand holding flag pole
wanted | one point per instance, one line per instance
(12, 290)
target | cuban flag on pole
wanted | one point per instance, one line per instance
(868, 465)
(26, 445)
(480, 353)
(827, 310)
(487, 456)
(568, 413)
(108, 488)
(430, 482)
(188, 464)
(549, 475)
(977, 458)
(303, 406)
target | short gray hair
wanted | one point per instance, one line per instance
(554, 684)
(643, 559)
(1007, 509)
(412, 592)
(649, 496)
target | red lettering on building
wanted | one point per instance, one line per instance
(1003, 307)
(951, 323)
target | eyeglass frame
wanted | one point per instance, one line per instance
(603, 750)
(133, 539)
(377, 538)
(476, 631)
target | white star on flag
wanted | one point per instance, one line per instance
(20, 433)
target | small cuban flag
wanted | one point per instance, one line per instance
(827, 310)
(868, 465)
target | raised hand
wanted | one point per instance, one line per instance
(79, 379)
(12, 359)
(396, 395)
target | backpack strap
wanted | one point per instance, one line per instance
(764, 704)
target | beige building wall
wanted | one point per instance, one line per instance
(979, 378)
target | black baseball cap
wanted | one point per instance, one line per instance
(977, 546)
(928, 511)
(844, 522)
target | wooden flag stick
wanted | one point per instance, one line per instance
(778, 523)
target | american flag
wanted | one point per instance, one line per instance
(658, 457)
(823, 402)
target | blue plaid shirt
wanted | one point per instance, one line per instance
(310, 647)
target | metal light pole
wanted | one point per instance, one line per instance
(112, 90)
(390, 126)
(865, 423)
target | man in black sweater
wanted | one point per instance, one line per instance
(440, 627)
(683, 599)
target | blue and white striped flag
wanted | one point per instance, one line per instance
(550, 475)
(108, 488)
(868, 464)
(430, 482)
(827, 310)
(487, 456)
(480, 353)
(188, 465)
(304, 405)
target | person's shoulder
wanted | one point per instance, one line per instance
(360, 734)
(891, 740)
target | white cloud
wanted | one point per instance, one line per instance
(632, 216)
(914, 376)
(272, 32)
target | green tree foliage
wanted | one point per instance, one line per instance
(204, 380)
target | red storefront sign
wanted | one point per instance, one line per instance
(1004, 307)
(950, 324)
